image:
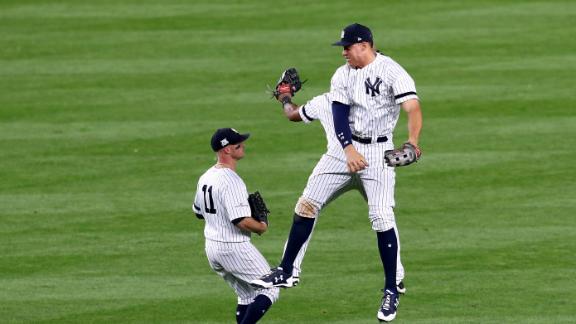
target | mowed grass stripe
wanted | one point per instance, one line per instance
(106, 110)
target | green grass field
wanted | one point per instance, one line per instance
(107, 107)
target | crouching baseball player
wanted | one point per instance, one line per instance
(231, 215)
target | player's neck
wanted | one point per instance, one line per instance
(231, 164)
(369, 59)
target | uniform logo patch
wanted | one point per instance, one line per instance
(373, 88)
(224, 142)
(342, 34)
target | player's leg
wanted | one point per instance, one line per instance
(244, 263)
(297, 265)
(305, 215)
(323, 198)
(244, 297)
(328, 181)
(328, 177)
(296, 244)
(240, 312)
(257, 309)
(400, 272)
(378, 184)
(213, 251)
(388, 248)
(263, 298)
(252, 303)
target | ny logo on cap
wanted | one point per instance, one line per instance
(224, 142)
(342, 35)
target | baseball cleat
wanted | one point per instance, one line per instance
(387, 311)
(400, 287)
(276, 278)
(296, 281)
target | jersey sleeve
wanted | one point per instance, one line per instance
(338, 87)
(197, 204)
(403, 86)
(311, 110)
(236, 200)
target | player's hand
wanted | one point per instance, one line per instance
(416, 148)
(289, 82)
(355, 161)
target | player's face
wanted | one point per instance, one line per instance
(354, 54)
(351, 54)
(237, 151)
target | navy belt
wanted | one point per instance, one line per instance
(368, 140)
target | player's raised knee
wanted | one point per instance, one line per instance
(307, 208)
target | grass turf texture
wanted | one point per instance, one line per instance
(106, 109)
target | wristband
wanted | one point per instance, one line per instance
(285, 100)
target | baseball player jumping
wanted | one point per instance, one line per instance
(331, 162)
(222, 201)
(366, 96)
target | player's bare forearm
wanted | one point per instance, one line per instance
(412, 108)
(249, 224)
(290, 109)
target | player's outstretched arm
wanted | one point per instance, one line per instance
(249, 224)
(288, 84)
(290, 108)
(412, 108)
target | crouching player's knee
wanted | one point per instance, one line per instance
(272, 293)
(307, 208)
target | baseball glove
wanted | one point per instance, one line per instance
(258, 207)
(289, 82)
(403, 156)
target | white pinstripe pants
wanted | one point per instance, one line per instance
(238, 264)
(331, 178)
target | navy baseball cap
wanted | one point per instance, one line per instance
(353, 34)
(227, 136)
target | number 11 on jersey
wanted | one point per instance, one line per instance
(208, 208)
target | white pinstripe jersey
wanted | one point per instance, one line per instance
(374, 94)
(320, 108)
(221, 197)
